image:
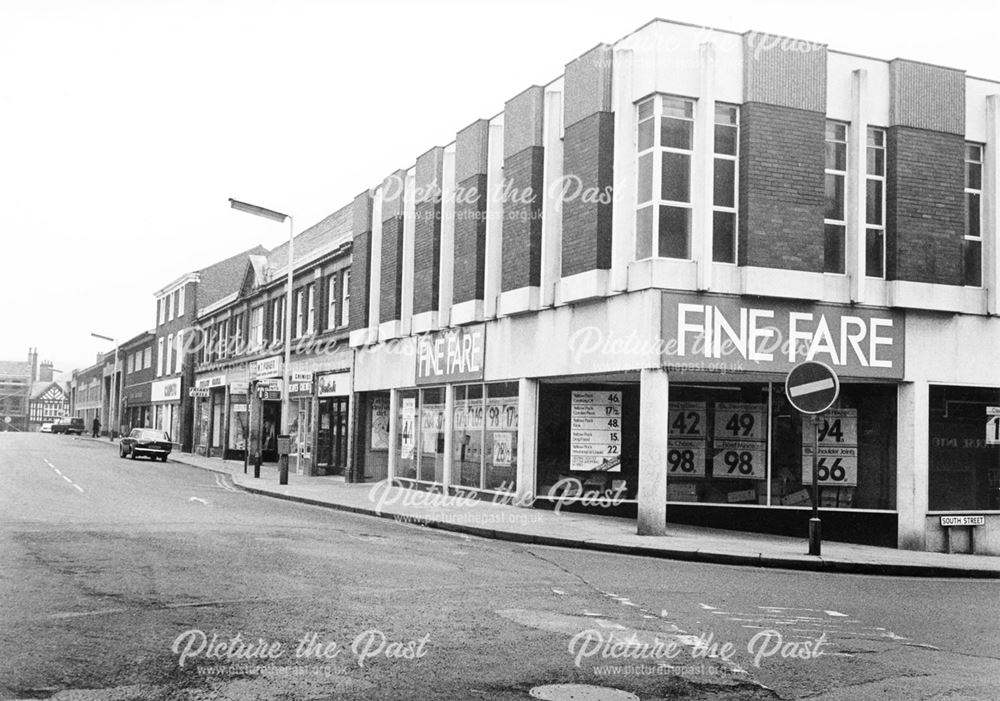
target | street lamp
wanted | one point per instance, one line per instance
(116, 386)
(285, 375)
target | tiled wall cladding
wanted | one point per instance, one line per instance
(784, 72)
(927, 97)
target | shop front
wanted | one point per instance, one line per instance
(333, 392)
(136, 406)
(210, 399)
(165, 397)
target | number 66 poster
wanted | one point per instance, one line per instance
(837, 459)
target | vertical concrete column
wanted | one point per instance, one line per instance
(623, 216)
(703, 192)
(447, 253)
(375, 284)
(991, 202)
(409, 248)
(552, 172)
(653, 421)
(449, 428)
(527, 440)
(912, 451)
(857, 190)
(393, 430)
(494, 218)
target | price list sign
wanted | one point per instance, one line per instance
(740, 441)
(595, 431)
(837, 456)
(687, 439)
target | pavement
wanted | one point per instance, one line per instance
(588, 531)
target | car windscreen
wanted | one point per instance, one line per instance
(151, 435)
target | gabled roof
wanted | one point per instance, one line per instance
(257, 274)
(225, 277)
(40, 388)
(329, 233)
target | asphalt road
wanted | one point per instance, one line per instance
(115, 572)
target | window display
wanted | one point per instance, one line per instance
(964, 464)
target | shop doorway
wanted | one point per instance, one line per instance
(331, 436)
(270, 427)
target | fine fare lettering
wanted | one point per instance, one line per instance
(368, 645)
(450, 354)
(754, 337)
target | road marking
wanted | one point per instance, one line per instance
(199, 500)
(78, 488)
(835, 613)
(67, 479)
(56, 470)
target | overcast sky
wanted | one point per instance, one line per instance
(125, 125)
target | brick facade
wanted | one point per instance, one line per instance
(391, 272)
(925, 206)
(782, 187)
(471, 149)
(522, 220)
(361, 261)
(427, 231)
(588, 168)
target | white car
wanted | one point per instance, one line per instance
(46, 428)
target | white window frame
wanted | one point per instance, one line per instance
(277, 318)
(973, 191)
(170, 351)
(842, 223)
(311, 309)
(331, 297)
(298, 328)
(180, 302)
(159, 357)
(734, 210)
(345, 297)
(257, 326)
(877, 177)
(170, 306)
(179, 352)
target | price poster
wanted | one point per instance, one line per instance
(688, 433)
(687, 419)
(503, 449)
(501, 414)
(380, 423)
(431, 426)
(837, 440)
(740, 441)
(595, 431)
(407, 428)
(686, 457)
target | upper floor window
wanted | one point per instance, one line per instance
(159, 311)
(298, 327)
(345, 303)
(835, 222)
(973, 241)
(170, 307)
(310, 310)
(180, 302)
(725, 176)
(331, 307)
(147, 358)
(663, 192)
(277, 318)
(169, 349)
(257, 327)
(159, 356)
(237, 334)
(875, 204)
(179, 352)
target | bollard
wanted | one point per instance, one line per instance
(256, 465)
(283, 469)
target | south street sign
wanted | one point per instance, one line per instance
(720, 333)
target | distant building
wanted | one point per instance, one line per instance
(138, 369)
(16, 377)
(49, 402)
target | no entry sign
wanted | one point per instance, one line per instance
(812, 387)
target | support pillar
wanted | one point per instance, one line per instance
(653, 422)
(527, 440)
(912, 451)
(393, 431)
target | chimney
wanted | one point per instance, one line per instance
(45, 373)
(33, 362)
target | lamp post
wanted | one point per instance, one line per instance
(285, 375)
(115, 386)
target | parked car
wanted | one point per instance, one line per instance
(46, 427)
(68, 424)
(145, 441)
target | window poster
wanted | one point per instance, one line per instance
(837, 443)
(740, 441)
(431, 427)
(380, 423)
(503, 449)
(407, 427)
(687, 439)
(595, 430)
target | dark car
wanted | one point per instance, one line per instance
(68, 424)
(145, 441)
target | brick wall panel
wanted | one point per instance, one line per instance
(522, 220)
(470, 239)
(588, 153)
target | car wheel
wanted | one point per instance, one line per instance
(131, 454)
(163, 458)
(121, 451)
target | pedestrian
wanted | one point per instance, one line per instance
(96, 427)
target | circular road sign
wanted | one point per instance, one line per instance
(812, 387)
(6, 419)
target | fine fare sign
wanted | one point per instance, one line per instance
(722, 334)
(453, 355)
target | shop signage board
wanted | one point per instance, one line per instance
(199, 392)
(239, 387)
(837, 445)
(993, 425)
(334, 384)
(595, 430)
(210, 382)
(687, 436)
(452, 355)
(727, 334)
(301, 377)
(166, 390)
(300, 389)
(739, 441)
(267, 367)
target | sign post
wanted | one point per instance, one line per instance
(812, 388)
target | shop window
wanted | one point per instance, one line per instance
(964, 464)
(431, 438)
(588, 440)
(373, 431)
(500, 425)
(467, 438)
(406, 434)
